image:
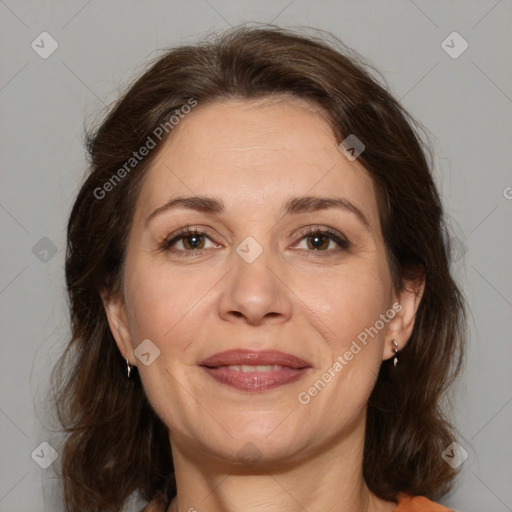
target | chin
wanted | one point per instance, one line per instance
(257, 453)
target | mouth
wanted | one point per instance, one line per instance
(249, 370)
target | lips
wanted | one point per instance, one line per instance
(249, 370)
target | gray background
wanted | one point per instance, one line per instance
(464, 102)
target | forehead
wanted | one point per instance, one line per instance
(254, 153)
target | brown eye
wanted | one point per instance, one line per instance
(186, 242)
(193, 241)
(318, 242)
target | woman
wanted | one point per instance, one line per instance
(263, 316)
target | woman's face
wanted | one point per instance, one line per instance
(259, 277)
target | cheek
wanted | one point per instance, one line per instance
(152, 310)
(164, 304)
(164, 308)
(155, 302)
(356, 305)
(346, 301)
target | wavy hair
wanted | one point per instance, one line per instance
(115, 444)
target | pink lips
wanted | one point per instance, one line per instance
(250, 370)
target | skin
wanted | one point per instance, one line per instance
(308, 302)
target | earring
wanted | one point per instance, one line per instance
(395, 345)
(128, 369)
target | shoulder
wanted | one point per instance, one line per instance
(156, 505)
(418, 504)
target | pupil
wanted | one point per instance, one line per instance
(195, 240)
(317, 241)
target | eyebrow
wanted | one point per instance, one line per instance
(292, 206)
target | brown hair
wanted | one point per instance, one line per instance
(116, 444)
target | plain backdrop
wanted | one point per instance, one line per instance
(463, 99)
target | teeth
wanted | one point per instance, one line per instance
(254, 368)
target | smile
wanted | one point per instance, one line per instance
(255, 371)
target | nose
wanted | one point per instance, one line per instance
(255, 293)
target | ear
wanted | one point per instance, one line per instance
(115, 310)
(406, 303)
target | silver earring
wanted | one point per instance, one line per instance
(395, 345)
(128, 368)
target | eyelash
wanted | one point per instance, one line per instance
(331, 234)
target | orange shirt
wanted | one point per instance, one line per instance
(418, 504)
(405, 504)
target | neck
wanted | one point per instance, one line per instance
(331, 480)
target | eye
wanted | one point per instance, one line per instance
(320, 239)
(188, 241)
(191, 241)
